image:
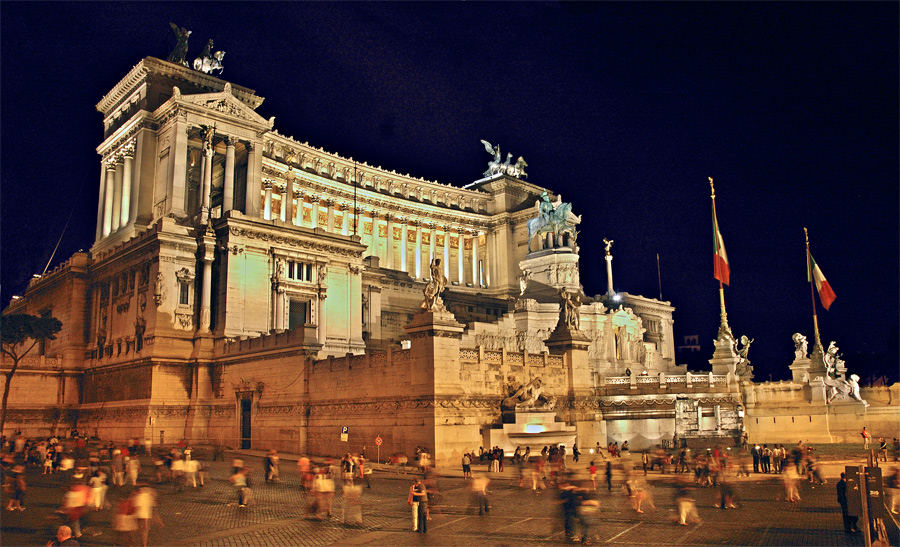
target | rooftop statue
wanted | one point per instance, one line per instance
(742, 349)
(209, 62)
(553, 218)
(181, 46)
(800, 346)
(435, 287)
(495, 167)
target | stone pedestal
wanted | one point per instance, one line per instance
(434, 342)
(724, 359)
(557, 268)
(800, 371)
(534, 428)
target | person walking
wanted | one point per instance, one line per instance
(790, 478)
(241, 486)
(479, 492)
(849, 521)
(144, 501)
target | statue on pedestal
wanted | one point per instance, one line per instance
(435, 287)
(742, 349)
(553, 218)
(800, 346)
(208, 62)
(569, 310)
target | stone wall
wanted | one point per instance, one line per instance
(786, 412)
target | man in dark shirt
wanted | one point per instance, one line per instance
(849, 522)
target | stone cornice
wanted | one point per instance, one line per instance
(149, 65)
(294, 236)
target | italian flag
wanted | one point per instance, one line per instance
(720, 265)
(826, 294)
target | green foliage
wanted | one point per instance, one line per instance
(17, 328)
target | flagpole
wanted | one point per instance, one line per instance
(658, 277)
(724, 324)
(812, 292)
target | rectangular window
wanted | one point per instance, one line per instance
(290, 269)
(184, 293)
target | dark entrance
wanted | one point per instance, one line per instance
(246, 405)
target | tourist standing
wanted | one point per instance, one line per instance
(467, 466)
(866, 437)
(849, 521)
(417, 499)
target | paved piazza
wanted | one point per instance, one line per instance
(209, 515)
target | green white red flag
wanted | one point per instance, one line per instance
(813, 273)
(721, 270)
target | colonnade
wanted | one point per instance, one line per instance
(291, 209)
(118, 193)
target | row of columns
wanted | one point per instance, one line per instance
(288, 212)
(118, 195)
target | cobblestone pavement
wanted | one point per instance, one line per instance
(277, 516)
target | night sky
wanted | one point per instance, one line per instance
(624, 109)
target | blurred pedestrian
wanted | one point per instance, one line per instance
(479, 493)
(790, 478)
(125, 523)
(352, 506)
(14, 485)
(74, 502)
(241, 483)
(144, 501)
(686, 506)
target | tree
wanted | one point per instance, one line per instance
(17, 329)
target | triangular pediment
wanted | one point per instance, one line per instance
(225, 103)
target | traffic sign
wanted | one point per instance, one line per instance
(345, 433)
(378, 441)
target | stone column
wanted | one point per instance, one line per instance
(609, 277)
(253, 180)
(289, 198)
(389, 243)
(267, 210)
(209, 249)
(207, 184)
(404, 235)
(345, 220)
(283, 207)
(108, 196)
(461, 245)
(330, 218)
(314, 216)
(321, 334)
(101, 202)
(117, 198)
(279, 307)
(447, 252)
(488, 258)
(432, 241)
(228, 189)
(476, 279)
(419, 250)
(127, 174)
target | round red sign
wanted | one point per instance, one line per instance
(378, 441)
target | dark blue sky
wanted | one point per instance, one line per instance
(625, 109)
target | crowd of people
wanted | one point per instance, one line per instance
(91, 471)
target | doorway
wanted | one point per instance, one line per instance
(246, 406)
